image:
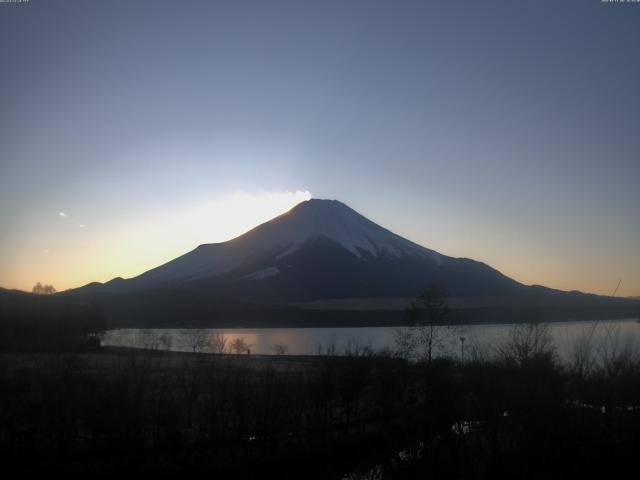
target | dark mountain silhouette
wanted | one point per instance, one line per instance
(319, 250)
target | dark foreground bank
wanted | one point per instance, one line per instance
(180, 310)
(68, 405)
(519, 415)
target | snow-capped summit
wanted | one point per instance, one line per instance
(333, 220)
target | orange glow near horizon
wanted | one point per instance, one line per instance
(78, 255)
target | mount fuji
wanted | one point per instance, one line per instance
(322, 264)
(320, 249)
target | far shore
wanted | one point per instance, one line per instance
(314, 318)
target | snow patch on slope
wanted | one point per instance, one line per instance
(261, 274)
(339, 223)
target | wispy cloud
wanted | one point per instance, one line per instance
(71, 219)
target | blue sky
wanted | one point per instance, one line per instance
(498, 130)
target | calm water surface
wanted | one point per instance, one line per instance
(613, 334)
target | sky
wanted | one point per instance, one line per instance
(506, 132)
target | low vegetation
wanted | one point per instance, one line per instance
(510, 412)
(515, 413)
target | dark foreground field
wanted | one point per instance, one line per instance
(359, 416)
(66, 404)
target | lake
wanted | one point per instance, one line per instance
(611, 334)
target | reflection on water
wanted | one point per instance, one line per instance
(611, 335)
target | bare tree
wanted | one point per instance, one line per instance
(279, 348)
(240, 346)
(354, 348)
(526, 341)
(405, 342)
(429, 313)
(147, 339)
(196, 338)
(217, 342)
(165, 340)
(583, 352)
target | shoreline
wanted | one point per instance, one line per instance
(375, 319)
(317, 327)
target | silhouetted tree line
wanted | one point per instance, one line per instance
(48, 323)
(41, 289)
